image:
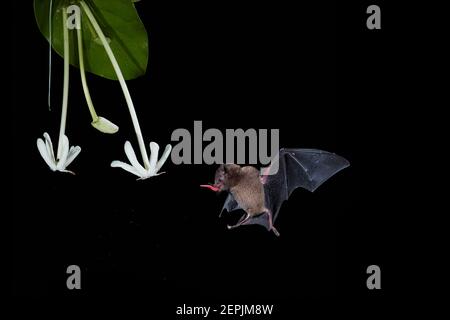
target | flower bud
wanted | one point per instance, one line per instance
(104, 125)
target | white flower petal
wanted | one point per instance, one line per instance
(73, 153)
(154, 149)
(126, 167)
(164, 157)
(49, 145)
(146, 176)
(64, 153)
(67, 171)
(44, 154)
(133, 160)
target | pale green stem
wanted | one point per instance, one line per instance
(122, 82)
(83, 76)
(94, 35)
(91, 30)
(50, 13)
(62, 128)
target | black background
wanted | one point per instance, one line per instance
(314, 71)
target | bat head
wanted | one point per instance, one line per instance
(225, 177)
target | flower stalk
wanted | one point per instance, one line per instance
(62, 128)
(100, 123)
(50, 10)
(83, 77)
(122, 82)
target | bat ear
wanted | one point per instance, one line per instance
(225, 168)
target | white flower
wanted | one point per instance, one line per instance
(136, 168)
(66, 155)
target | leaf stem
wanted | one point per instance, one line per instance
(122, 82)
(62, 128)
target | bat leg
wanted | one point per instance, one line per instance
(244, 217)
(243, 220)
(271, 227)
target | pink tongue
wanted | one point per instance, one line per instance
(210, 187)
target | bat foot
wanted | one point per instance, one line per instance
(271, 227)
(242, 221)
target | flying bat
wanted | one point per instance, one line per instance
(261, 195)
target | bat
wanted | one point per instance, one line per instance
(261, 195)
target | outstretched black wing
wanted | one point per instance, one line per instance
(305, 168)
(299, 168)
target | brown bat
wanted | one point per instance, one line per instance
(261, 196)
(247, 188)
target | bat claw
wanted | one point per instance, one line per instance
(275, 231)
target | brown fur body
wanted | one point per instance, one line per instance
(245, 185)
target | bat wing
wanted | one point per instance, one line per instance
(230, 204)
(299, 168)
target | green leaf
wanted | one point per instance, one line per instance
(120, 23)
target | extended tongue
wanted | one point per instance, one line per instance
(210, 187)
